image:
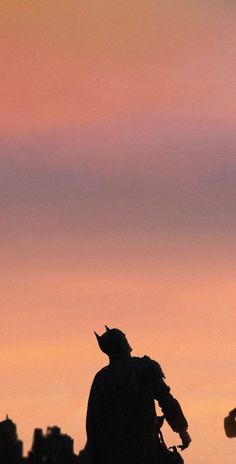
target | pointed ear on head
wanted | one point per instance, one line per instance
(97, 336)
(107, 328)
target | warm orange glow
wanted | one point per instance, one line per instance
(117, 191)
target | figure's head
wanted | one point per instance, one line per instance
(113, 342)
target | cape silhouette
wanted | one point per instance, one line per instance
(121, 416)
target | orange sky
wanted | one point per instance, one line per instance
(117, 196)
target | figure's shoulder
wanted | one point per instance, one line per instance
(153, 366)
(101, 374)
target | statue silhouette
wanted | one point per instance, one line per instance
(230, 424)
(121, 417)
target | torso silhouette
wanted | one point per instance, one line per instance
(121, 417)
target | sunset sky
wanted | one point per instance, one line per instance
(117, 193)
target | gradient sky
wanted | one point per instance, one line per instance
(117, 195)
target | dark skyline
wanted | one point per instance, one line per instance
(51, 447)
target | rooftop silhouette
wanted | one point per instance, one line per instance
(53, 447)
(11, 448)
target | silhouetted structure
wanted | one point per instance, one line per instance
(52, 448)
(121, 416)
(122, 426)
(230, 424)
(11, 448)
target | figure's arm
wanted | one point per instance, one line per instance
(173, 413)
(170, 406)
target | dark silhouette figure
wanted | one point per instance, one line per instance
(11, 448)
(121, 416)
(230, 424)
